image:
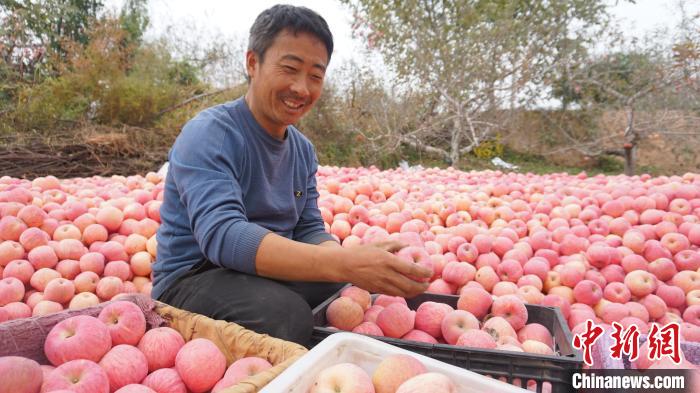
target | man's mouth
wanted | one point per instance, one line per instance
(292, 104)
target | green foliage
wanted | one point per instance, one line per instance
(489, 149)
(624, 72)
(107, 81)
(610, 164)
(55, 22)
(134, 19)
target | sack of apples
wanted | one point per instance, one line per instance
(137, 345)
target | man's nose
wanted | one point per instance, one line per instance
(300, 87)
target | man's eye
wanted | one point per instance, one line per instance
(317, 77)
(289, 69)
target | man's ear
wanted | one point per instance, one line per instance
(251, 63)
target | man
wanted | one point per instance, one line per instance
(241, 237)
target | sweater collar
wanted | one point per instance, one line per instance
(258, 130)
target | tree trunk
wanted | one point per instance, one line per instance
(455, 139)
(630, 145)
(630, 159)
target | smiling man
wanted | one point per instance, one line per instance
(241, 237)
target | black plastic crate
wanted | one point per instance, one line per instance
(556, 369)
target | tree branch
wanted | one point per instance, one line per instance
(187, 101)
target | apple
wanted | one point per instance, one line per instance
(160, 346)
(487, 277)
(663, 269)
(535, 331)
(368, 328)
(552, 300)
(687, 260)
(457, 322)
(416, 255)
(686, 280)
(640, 283)
(673, 296)
(655, 306)
(372, 313)
(135, 388)
(533, 346)
(19, 375)
(79, 375)
(108, 287)
(638, 311)
(78, 337)
(345, 377)
(512, 309)
(11, 290)
(458, 273)
(126, 322)
(477, 301)
(530, 294)
(504, 288)
(83, 300)
(429, 317)
(394, 370)
(359, 295)
(509, 270)
(344, 313)
(385, 300)
(477, 339)
(611, 312)
(692, 315)
(588, 292)
(189, 360)
(617, 292)
(59, 290)
(165, 380)
(420, 336)
(428, 382)
(395, 320)
(501, 330)
(43, 257)
(124, 365)
(20, 269)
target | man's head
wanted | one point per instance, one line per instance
(288, 51)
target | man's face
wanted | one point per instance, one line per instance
(285, 86)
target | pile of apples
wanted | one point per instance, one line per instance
(480, 320)
(75, 243)
(115, 353)
(394, 374)
(607, 248)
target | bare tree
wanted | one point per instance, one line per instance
(651, 82)
(474, 59)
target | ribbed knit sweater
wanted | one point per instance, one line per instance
(229, 183)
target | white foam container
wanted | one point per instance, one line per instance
(367, 353)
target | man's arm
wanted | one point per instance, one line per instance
(212, 197)
(371, 267)
(330, 244)
(204, 165)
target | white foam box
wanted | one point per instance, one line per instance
(367, 353)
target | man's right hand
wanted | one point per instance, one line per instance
(374, 268)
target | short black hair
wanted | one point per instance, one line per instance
(282, 16)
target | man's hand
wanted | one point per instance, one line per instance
(374, 268)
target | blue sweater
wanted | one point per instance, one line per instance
(230, 183)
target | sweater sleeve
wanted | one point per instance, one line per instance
(310, 228)
(206, 177)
